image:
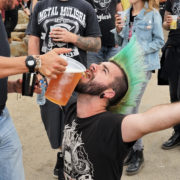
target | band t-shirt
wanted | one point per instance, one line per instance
(105, 11)
(92, 147)
(4, 51)
(75, 16)
(172, 6)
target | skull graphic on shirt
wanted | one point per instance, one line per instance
(102, 4)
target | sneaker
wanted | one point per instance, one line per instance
(172, 142)
(58, 170)
(136, 163)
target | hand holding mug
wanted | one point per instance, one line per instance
(59, 34)
(169, 20)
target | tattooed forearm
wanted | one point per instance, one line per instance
(88, 43)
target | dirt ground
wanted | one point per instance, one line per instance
(39, 158)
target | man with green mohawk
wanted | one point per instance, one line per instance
(96, 140)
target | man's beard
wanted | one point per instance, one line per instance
(91, 88)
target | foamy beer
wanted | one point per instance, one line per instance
(174, 22)
(60, 90)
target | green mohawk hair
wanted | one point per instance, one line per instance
(131, 60)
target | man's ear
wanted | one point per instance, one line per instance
(109, 93)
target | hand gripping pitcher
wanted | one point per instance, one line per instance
(60, 89)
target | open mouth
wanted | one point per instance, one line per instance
(89, 74)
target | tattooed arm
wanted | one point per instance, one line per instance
(84, 43)
(88, 43)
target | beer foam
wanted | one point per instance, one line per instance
(73, 65)
(73, 70)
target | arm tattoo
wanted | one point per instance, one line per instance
(88, 43)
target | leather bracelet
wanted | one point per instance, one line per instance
(38, 62)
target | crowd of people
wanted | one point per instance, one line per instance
(120, 52)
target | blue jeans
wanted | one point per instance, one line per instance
(139, 144)
(11, 165)
(101, 56)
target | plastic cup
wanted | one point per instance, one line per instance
(123, 16)
(60, 89)
(174, 22)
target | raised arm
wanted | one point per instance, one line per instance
(156, 119)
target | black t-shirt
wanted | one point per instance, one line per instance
(105, 11)
(76, 16)
(4, 51)
(172, 6)
(93, 148)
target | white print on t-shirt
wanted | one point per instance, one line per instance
(46, 13)
(176, 8)
(102, 17)
(77, 166)
(49, 44)
(64, 12)
(102, 4)
(74, 13)
(68, 18)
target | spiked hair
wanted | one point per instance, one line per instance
(131, 60)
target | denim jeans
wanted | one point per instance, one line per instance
(102, 55)
(139, 144)
(11, 165)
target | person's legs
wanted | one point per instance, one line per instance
(177, 127)
(11, 164)
(111, 51)
(95, 57)
(104, 54)
(60, 162)
(52, 117)
(135, 163)
(138, 146)
(174, 89)
(60, 165)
